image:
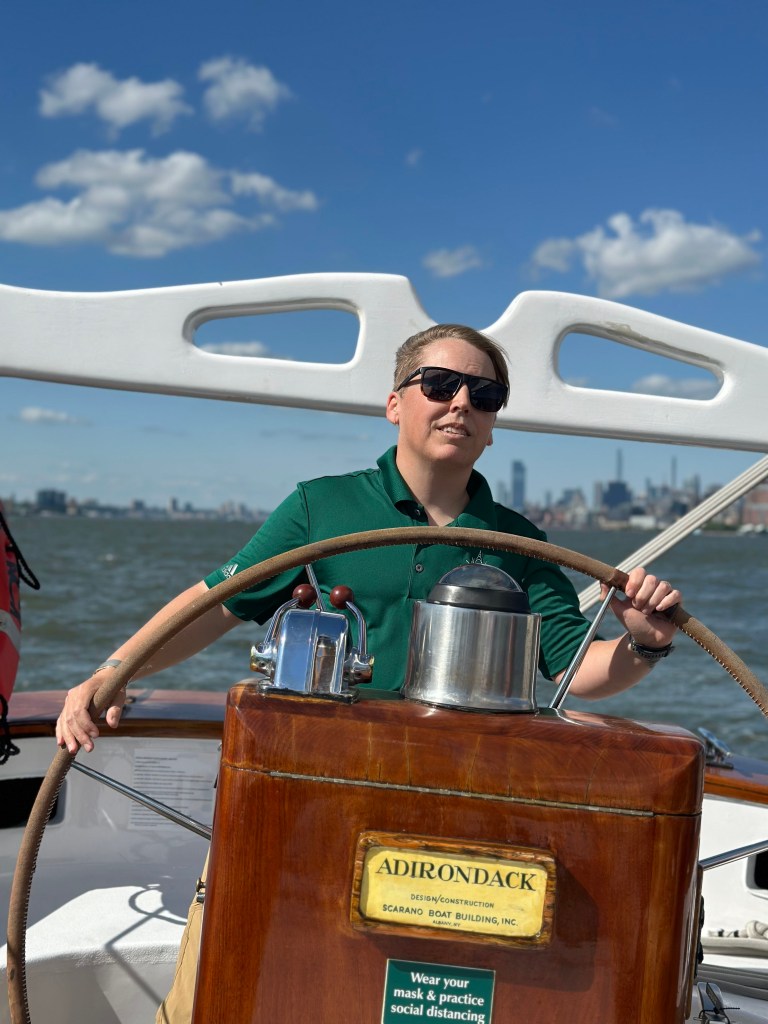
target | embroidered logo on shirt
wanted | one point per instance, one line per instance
(229, 569)
(477, 560)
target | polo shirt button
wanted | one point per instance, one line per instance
(419, 567)
(418, 513)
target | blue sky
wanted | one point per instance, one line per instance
(481, 150)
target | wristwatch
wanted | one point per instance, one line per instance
(649, 653)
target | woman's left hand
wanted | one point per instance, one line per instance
(645, 597)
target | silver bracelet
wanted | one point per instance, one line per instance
(109, 663)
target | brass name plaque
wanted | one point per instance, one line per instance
(485, 890)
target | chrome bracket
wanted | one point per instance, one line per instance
(715, 751)
(712, 1006)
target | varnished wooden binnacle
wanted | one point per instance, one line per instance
(617, 804)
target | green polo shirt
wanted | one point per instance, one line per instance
(387, 581)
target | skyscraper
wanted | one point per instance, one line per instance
(518, 485)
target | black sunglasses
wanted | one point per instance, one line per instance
(441, 385)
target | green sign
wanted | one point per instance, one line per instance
(436, 992)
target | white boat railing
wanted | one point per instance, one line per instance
(144, 341)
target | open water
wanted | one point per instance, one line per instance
(102, 579)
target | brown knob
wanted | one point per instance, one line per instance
(305, 595)
(341, 596)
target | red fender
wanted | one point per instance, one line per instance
(10, 613)
(13, 570)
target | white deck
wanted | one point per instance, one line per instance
(113, 881)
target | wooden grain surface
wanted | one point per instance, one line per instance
(617, 805)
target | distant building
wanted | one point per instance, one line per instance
(51, 501)
(692, 488)
(617, 502)
(642, 521)
(616, 494)
(572, 508)
(755, 509)
(518, 485)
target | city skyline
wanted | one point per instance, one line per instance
(61, 461)
(596, 494)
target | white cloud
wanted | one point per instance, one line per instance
(684, 387)
(237, 348)
(178, 228)
(697, 388)
(413, 158)
(662, 251)
(34, 414)
(120, 103)
(53, 222)
(272, 194)
(555, 254)
(240, 89)
(137, 205)
(114, 176)
(452, 262)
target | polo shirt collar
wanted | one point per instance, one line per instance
(480, 512)
(396, 488)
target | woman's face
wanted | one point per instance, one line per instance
(452, 433)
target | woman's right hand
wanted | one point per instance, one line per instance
(76, 726)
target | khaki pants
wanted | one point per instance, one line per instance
(176, 1008)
